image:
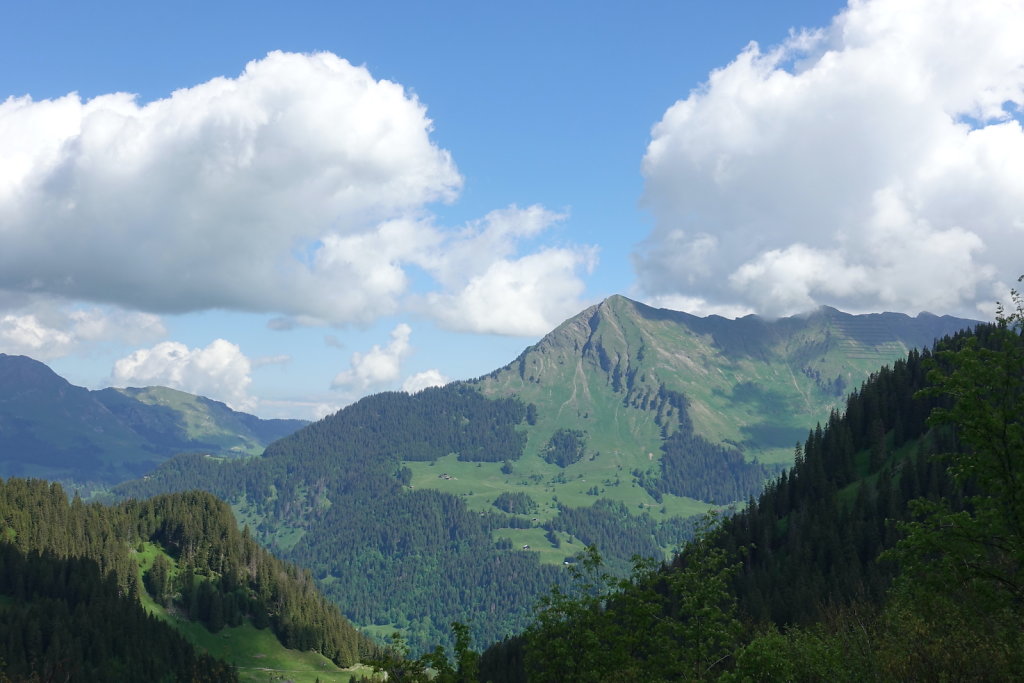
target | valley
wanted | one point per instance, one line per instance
(610, 437)
(616, 432)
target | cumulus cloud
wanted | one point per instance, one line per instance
(423, 380)
(380, 365)
(46, 331)
(489, 287)
(300, 188)
(525, 296)
(219, 371)
(875, 163)
(236, 193)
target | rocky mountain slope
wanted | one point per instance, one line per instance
(755, 384)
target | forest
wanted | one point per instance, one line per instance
(334, 498)
(70, 587)
(893, 550)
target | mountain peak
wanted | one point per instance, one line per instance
(753, 382)
(21, 373)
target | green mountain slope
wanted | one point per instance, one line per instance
(890, 551)
(183, 556)
(51, 428)
(752, 383)
(459, 504)
(671, 411)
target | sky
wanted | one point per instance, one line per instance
(287, 207)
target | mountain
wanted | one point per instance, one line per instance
(754, 384)
(464, 502)
(51, 428)
(892, 550)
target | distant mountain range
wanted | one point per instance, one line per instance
(52, 429)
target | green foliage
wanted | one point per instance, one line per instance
(565, 447)
(810, 545)
(517, 503)
(963, 567)
(654, 626)
(330, 497)
(693, 466)
(620, 535)
(66, 620)
(158, 580)
(433, 558)
(395, 662)
(202, 564)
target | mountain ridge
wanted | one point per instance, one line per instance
(54, 429)
(633, 349)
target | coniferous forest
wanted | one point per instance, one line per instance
(892, 550)
(70, 585)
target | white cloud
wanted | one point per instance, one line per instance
(423, 380)
(220, 371)
(876, 163)
(307, 409)
(695, 305)
(322, 410)
(380, 365)
(300, 188)
(27, 335)
(485, 284)
(525, 296)
(225, 194)
(46, 331)
(488, 287)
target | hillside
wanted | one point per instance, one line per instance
(171, 565)
(461, 504)
(755, 384)
(891, 551)
(669, 413)
(53, 429)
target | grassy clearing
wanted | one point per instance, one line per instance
(538, 543)
(260, 657)
(479, 484)
(257, 653)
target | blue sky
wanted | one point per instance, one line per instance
(339, 199)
